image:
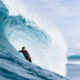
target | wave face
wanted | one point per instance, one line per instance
(48, 40)
(15, 30)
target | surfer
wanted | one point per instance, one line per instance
(26, 54)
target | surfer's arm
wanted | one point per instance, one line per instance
(20, 51)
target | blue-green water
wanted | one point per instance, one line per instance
(12, 65)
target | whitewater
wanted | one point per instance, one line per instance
(16, 31)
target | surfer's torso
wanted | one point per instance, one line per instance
(25, 53)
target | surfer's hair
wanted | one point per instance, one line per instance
(23, 47)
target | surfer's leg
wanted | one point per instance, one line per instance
(28, 59)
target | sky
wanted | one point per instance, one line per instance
(63, 14)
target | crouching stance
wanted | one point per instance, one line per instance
(26, 54)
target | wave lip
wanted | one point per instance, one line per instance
(54, 46)
(12, 64)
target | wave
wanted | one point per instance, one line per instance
(16, 31)
(74, 57)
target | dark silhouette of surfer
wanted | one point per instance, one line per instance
(26, 54)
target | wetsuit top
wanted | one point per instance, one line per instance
(25, 53)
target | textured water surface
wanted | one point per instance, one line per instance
(12, 65)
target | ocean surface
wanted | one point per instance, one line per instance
(73, 67)
(12, 65)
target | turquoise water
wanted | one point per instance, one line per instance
(12, 65)
(74, 57)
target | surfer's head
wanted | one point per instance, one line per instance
(23, 48)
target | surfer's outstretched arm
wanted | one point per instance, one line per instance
(20, 51)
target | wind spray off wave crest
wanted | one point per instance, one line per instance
(12, 65)
(46, 45)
